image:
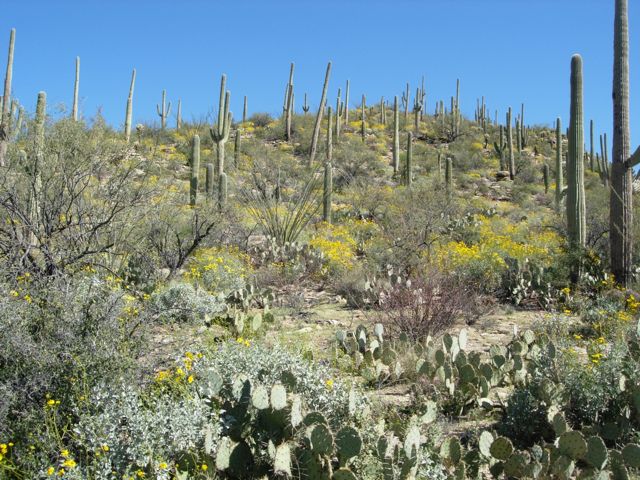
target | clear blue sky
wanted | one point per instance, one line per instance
(510, 51)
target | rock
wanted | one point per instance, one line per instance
(502, 175)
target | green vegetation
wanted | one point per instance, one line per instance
(374, 315)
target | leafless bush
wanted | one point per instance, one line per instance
(427, 305)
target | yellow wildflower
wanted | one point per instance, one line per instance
(50, 471)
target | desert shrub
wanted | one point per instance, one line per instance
(425, 306)
(182, 302)
(59, 337)
(218, 269)
(524, 419)
(260, 119)
(336, 245)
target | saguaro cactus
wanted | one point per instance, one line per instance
(244, 110)
(592, 163)
(208, 186)
(220, 131)
(621, 175)
(363, 125)
(512, 162)
(328, 173)
(316, 128)
(179, 115)
(34, 194)
(448, 175)
(408, 170)
(559, 176)
(195, 169)
(346, 104)
(288, 104)
(222, 190)
(237, 149)
(76, 86)
(576, 218)
(545, 177)
(339, 111)
(305, 105)
(395, 152)
(163, 112)
(6, 105)
(129, 112)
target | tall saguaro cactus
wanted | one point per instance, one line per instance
(195, 169)
(448, 175)
(339, 111)
(328, 173)
(165, 111)
(346, 104)
(559, 176)
(220, 131)
(244, 110)
(512, 162)
(34, 194)
(288, 104)
(395, 152)
(76, 86)
(6, 105)
(408, 170)
(179, 115)
(129, 111)
(316, 128)
(621, 174)
(592, 163)
(363, 124)
(576, 216)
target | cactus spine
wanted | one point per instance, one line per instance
(288, 104)
(179, 115)
(559, 176)
(621, 175)
(395, 153)
(512, 162)
(163, 112)
(6, 105)
(363, 126)
(76, 86)
(195, 168)
(576, 219)
(316, 128)
(129, 112)
(220, 131)
(408, 171)
(328, 174)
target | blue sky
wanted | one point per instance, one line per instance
(510, 51)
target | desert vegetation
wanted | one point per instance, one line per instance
(368, 291)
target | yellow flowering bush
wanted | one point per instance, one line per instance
(219, 269)
(336, 244)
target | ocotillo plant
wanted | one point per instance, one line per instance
(237, 149)
(6, 105)
(163, 112)
(328, 174)
(316, 128)
(129, 112)
(395, 152)
(76, 86)
(220, 131)
(363, 126)
(288, 105)
(559, 176)
(408, 169)
(195, 169)
(621, 176)
(545, 177)
(576, 214)
(179, 115)
(222, 190)
(208, 186)
(512, 162)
